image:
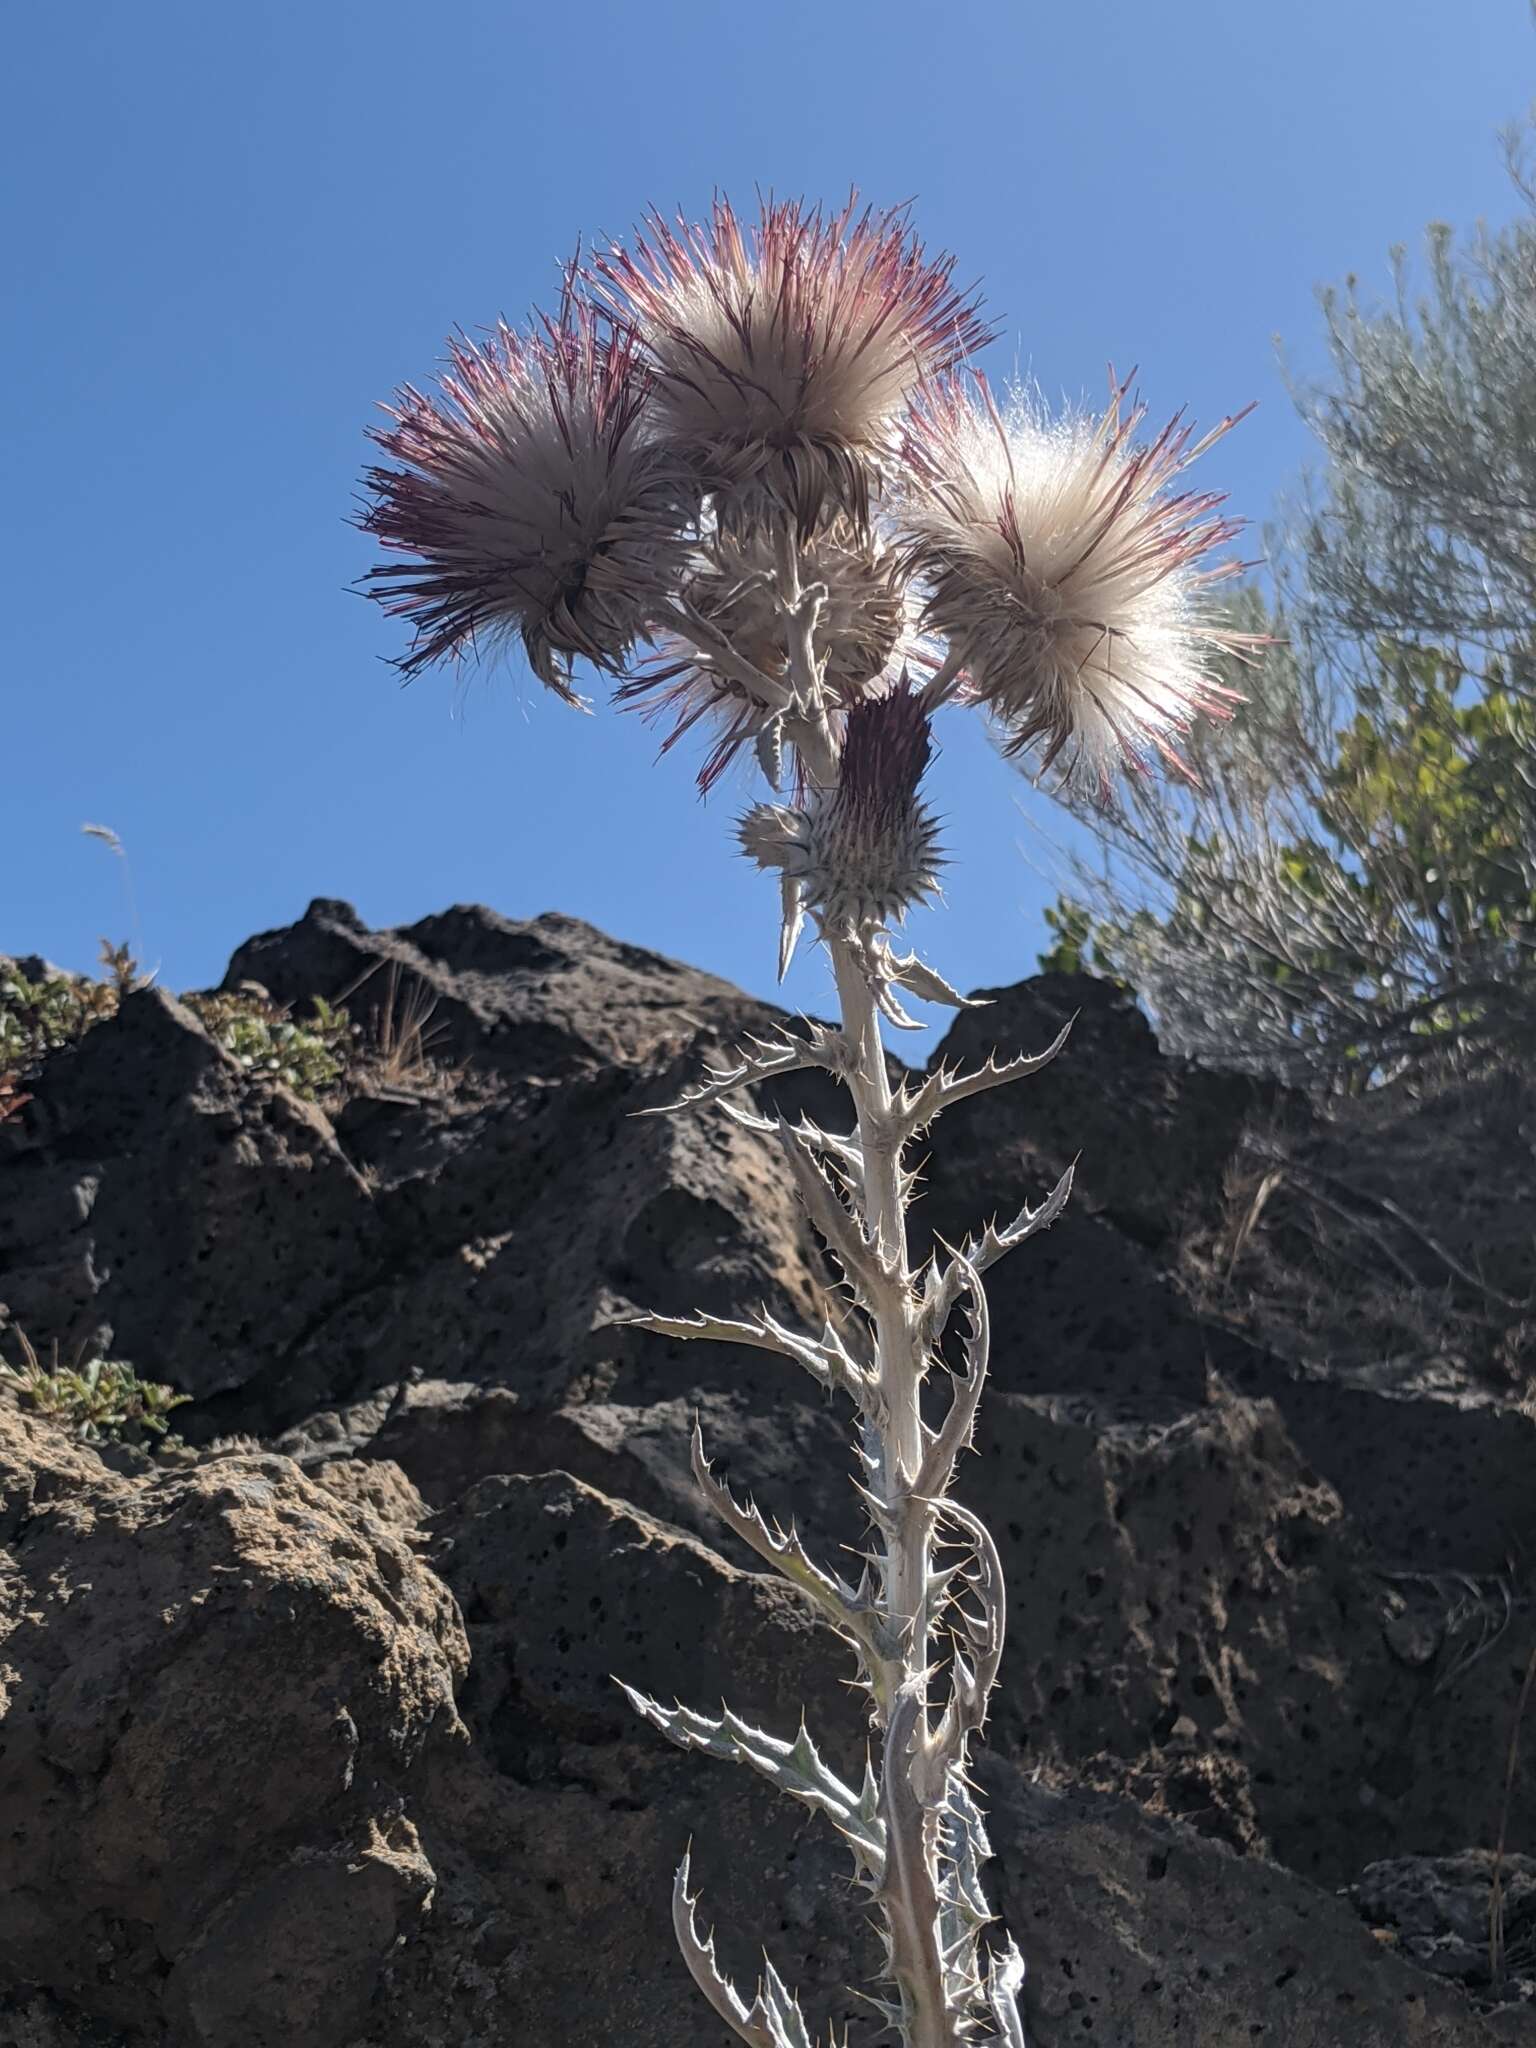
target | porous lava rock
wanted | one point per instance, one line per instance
(220, 1689)
(310, 1731)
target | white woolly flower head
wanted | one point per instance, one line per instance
(864, 851)
(865, 628)
(1066, 573)
(529, 499)
(785, 353)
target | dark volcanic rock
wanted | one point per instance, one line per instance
(543, 999)
(237, 1241)
(155, 1201)
(1267, 1622)
(220, 1688)
(1150, 1937)
(1151, 1134)
(513, 1889)
(1442, 1911)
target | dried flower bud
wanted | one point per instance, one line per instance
(530, 499)
(784, 356)
(1066, 575)
(862, 629)
(864, 851)
(862, 617)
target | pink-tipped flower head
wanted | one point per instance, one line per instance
(863, 851)
(784, 354)
(529, 500)
(1068, 576)
(864, 629)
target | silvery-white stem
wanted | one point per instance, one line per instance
(914, 1828)
(894, 1442)
(904, 1526)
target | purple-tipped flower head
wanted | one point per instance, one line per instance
(529, 500)
(1067, 575)
(864, 851)
(785, 354)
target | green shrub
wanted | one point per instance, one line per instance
(38, 1018)
(307, 1057)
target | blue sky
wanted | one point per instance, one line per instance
(234, 229)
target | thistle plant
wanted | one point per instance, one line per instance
(749, 472)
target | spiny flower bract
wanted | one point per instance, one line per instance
(784, 354)
(529, 499)
(863, 851)
(1066, 574)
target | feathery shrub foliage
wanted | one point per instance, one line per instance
(1350, 898)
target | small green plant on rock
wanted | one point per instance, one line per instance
(265, 1039)
(100, 1400)
(40, 1017)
